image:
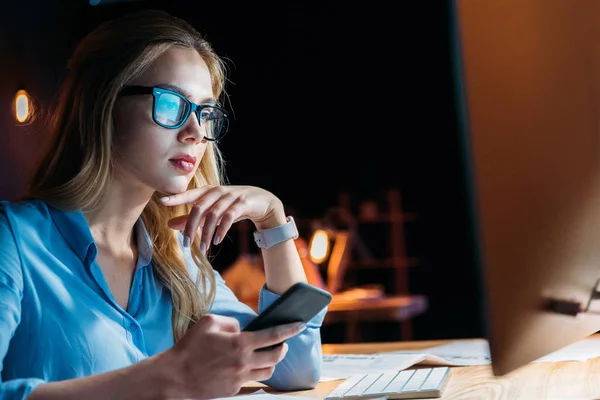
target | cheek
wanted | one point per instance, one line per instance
(136, 135)
(143, 150)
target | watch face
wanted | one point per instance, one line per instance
(259, 239)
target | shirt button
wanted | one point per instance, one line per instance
(133, 327)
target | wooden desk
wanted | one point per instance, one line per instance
(536, 381)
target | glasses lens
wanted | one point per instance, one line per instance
(213, 120)
(170, 109)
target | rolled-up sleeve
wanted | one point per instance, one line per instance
(301, 367)
(11, 293)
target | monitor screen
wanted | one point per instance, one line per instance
(527, 75)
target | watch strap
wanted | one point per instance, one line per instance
(267, 238)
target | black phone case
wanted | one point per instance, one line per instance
(300, 303)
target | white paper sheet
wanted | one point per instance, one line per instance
(462, 352)
(582, 350)
(261, 391)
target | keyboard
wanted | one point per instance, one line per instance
(406, 384)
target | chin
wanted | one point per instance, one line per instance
(175, 185)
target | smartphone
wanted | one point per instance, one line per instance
(300, 303)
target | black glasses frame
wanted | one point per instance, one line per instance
(132, 90)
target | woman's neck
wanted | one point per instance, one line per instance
(112, 223)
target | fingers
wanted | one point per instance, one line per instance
(212, 230)
(213, 322)
(178, 223)
(212, 214)
(201, 209)
(264, 363)
(273, 336)
(229, 217)
(191, 226)
(215, 209)
(259, 375)
(189, 196)
(268, 358)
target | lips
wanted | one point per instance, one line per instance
(184, 162)
(186, 158)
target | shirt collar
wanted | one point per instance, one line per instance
(74, 228)
(143, 241)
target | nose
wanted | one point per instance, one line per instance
(191, 131)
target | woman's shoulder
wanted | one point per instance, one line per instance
(23, 212)
(25, 224)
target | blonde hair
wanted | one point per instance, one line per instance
(78, 165)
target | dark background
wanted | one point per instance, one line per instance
(354, 98)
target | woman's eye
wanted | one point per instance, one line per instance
(205, 114)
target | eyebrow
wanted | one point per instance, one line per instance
(185, 93)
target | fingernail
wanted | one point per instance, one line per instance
(302, 327)
(163, 199)
(216, 239)
(186, 241)
(285, 349)
(202, 247)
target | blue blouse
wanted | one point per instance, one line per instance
(59, 320)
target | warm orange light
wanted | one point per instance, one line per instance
(22, 106)
(319, 246)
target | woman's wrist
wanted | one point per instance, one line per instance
(276, 218)
(151, 378)
(163, 376)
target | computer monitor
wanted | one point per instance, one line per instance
(528, 78)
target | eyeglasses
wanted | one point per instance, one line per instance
(171, 110)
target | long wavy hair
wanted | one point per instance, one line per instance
(78, 165)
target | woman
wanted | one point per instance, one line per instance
(101, 294)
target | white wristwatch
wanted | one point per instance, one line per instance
(267, 238)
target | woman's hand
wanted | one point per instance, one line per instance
(216, 208)
(214, 359)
